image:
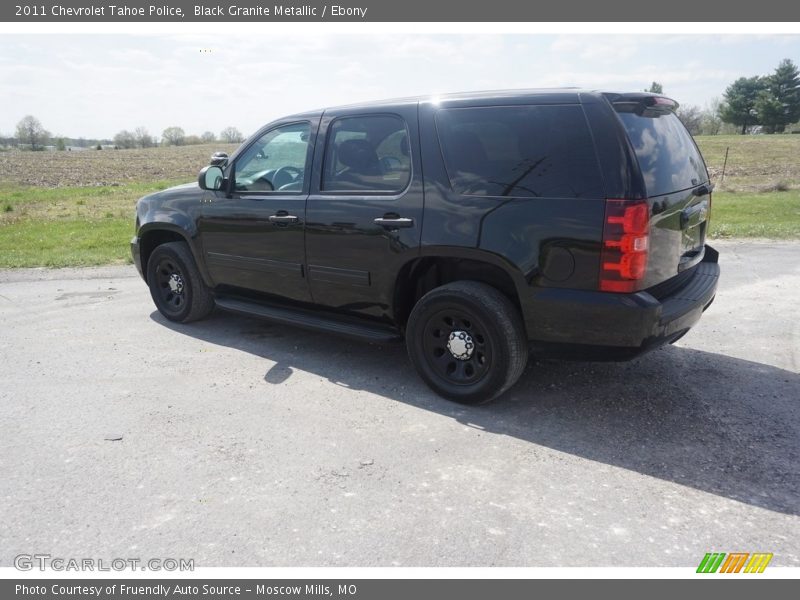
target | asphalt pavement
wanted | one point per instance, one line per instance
(236, 442)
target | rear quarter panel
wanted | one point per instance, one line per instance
(543, 242)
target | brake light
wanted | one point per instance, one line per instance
(626, 241)
(665, 102)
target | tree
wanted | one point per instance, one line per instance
(740, 101)
(655, 88)
(692, 118)
(143, 138)
(779, 103)
(60, 144)
(31, 132)
(231, 135)
(770, 112)
(208, 137)
(173, 136)
(712, 124)
(125, 139)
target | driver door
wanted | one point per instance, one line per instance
(252, 232)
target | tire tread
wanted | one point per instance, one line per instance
(201, 302)
(498, 309)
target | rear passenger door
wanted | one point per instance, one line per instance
(364, 214)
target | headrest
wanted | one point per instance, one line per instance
(358, 155)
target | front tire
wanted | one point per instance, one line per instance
(467, 341)
(175, 284)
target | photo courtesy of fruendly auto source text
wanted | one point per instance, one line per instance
(368, 300)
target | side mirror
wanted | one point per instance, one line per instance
(219, 159)
(210, 178)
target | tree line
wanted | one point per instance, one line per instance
(769, 102)
(31, 135)
(175, 136)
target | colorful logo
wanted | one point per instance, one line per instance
(735, 562)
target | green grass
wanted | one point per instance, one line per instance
(55, 223)
(56, 202)
(773, 215)
(90, 235)
(61, 227)
(65, 243)
(756, 163)
(747, 151)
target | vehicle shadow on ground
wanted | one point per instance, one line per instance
(719, 424)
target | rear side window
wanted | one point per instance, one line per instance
(520, 151)
(667, 156)
(367, 154)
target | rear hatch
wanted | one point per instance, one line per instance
(676, 181)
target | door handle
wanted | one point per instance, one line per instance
(283, 218)
(392, 221)
(703, 190)
(694, 215)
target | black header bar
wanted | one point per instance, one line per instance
(399, 11)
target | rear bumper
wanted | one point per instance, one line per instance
(137, 255)
(604, 326)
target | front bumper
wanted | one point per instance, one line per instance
(606, 326)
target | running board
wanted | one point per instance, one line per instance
(309, 319)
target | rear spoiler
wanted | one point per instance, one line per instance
(642, 103)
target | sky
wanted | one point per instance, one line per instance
(93, 85)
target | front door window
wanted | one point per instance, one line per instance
(277, 162)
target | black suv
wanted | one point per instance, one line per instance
(478, 226)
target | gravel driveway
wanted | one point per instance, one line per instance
(241, 443)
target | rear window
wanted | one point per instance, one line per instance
(668, 158)
(519, 151)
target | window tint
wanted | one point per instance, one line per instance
(525, 151)
(668, 158)
(367, 154)
(276, 162)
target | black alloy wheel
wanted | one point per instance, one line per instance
(467, 341)
(176, 285)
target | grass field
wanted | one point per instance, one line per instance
(76, 208)
(756, 163)
(59, 227)
(759, 195)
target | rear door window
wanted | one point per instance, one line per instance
(367, 153)
(520, 151)
(667, 155)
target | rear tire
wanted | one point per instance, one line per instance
(175, 284)
(467, 342)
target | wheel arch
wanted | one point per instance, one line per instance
(438, 266)
(152, 235)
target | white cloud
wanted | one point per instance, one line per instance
(610, 49)
(96, 85)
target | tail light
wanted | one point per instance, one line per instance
(626, 240)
